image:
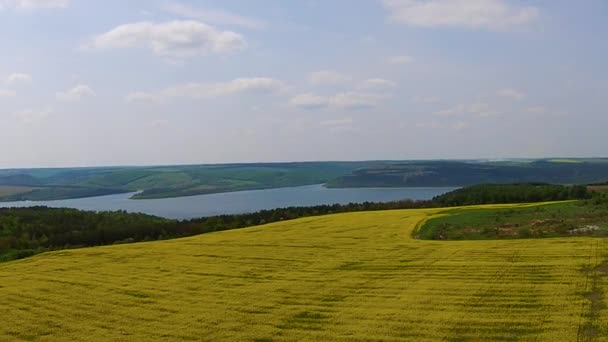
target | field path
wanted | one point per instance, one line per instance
(349, 277)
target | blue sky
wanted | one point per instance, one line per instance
(87, 83)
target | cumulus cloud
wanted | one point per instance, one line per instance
(175, 39)
(140, 96)
(429, 124)
(158, 123)
(261, 85)
(19, 78)
(347, 100)
(216, 17)
(309, 101)
(33, 4)
(512, 94)
(495, 15)
(400, 60)
(7, 93)
(355, 100)
(76, 93)
(336, 125)
(544, 111)
(334, 122)
(459, 126)
(425, 99)
(376, 84)
(327, 77)
(536, 110)
(434, 124)
(32, 116)
(477, 109)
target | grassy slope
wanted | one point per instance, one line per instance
(350, 277)
(550, 220)
(9, 190)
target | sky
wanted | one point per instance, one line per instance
(150, 82)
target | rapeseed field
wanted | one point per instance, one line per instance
(348, 277)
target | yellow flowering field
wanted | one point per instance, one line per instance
(348, 277)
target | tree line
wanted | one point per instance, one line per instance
(511, 193)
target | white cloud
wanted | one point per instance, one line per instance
(327, 77)
(544, 111)
(158, 123)
(482, 110)
(309, 101)
(400, 60)
(32, 116)
(434, 124)
(176, 39)
(355, 100)
(459, 126)
(452, 111)
(477, 109)
(76, 93)
(337, 125)
(348, 100)
(33, 4)
(7, 93)
(429, 124)
(260, 85)
(140, 96)
(536, 110)
(425, 99)
(19, 78)
(513, 94)
(377, 84)
(496, 15)
(337, 122)
(216, 17)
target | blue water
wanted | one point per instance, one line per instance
(238, 202)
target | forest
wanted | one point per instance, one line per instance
(511, 193)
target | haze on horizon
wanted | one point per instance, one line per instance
(86, 83)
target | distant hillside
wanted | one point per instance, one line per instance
(165, 181)
(188, 180)
(463, 173)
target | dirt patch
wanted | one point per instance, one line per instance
(598, 188)
(507, 231)
(603, 268)
(584, 230)
(592, 329)
(540, 222)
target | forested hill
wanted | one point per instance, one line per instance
(465, 173)
(187, 180)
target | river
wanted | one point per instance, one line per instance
(238, 202)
